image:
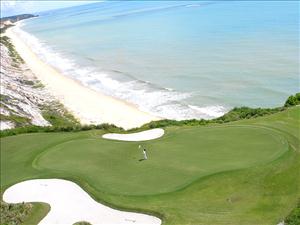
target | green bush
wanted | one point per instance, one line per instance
(293, 100)
(246, 113)
(294, 217)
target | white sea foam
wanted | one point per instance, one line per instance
(212, 111)
(162, 102)
(193, 5)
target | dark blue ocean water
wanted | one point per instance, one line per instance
(184, 59)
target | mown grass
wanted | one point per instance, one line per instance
(177, 159)
(258, 182)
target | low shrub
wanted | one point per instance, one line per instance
(294, 217)
(58, 116)
(14, 214)
(73, 128)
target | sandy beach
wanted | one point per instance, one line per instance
(88, 106)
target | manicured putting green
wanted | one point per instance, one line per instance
(176, 160)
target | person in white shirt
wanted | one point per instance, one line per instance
(145, 154)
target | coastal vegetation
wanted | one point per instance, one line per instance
(258, 171)
(294, 217)
(12, 51)
(19, 121)
(67, 123)
(293, 100)
(82, 223)
(233, 115)
(14, 213)
(58, 116)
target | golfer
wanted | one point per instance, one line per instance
(145, 154)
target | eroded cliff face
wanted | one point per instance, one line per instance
(22, 95)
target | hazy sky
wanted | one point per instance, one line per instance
(14, 7)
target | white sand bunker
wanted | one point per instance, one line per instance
(140, 136)
(69, 204)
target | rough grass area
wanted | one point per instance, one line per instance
(244, 172)
(18, 121)
(294, 217)
(14, 214)
(58, 116)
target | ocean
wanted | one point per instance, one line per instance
(175, 59)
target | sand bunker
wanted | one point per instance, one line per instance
(69, 204)
(140, 136)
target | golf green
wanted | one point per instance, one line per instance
(175, 160)
(244, 172)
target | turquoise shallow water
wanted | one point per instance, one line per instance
(178, 59)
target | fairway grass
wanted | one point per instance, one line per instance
(245, 172)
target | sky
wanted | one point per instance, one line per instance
(14, 7)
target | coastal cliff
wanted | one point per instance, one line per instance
(24, 100)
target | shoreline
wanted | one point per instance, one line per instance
(87, 105)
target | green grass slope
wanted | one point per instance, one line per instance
(245, 172)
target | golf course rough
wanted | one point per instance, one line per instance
(245, 172)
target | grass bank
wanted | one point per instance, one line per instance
(242, 172)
